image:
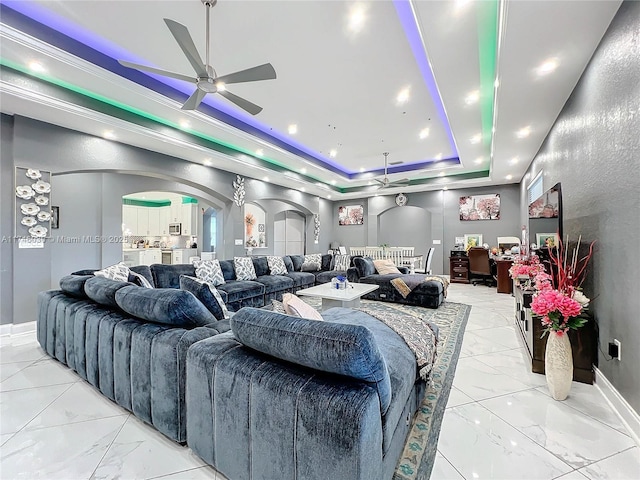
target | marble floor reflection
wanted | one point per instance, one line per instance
(500, 422)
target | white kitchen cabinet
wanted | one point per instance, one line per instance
(164, 213)
(189, 218)
(143, 221)
(177, 257)
(175, 212)
(141, 256)
(154, 221)
(130, 219)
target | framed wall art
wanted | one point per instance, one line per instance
(480, 207)
(351, 215)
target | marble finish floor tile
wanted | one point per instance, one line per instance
(474, 344)
(456, 397)
(64, 452)
(578, 440)
(505, 336)
(202, 473)
(442, 469)
(480, 381)
(40, 374)
(622, 466)
(575, 475)
(19, 407)
(9, 369)
(513, 363)
(481, 445)
(79, 403)
(140, 452)
(21, 350)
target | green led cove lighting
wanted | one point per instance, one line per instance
(141, 113)
(487, 16)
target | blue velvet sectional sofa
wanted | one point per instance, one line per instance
(429, 294)
(259, 395)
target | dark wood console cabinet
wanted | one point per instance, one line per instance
(459, 269)
(584, 341)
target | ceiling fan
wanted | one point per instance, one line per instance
(385, 182)
(207, 80)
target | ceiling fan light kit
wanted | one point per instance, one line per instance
(206, 80)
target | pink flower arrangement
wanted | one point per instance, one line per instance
(562, 306)
(529, 267)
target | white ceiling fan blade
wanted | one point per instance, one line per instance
(380, 181)
(403, 181)
(157, 71)
(183, 37)
(194, 100)
(261, 72)
(252, 108)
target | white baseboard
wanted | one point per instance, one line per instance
(627, 414)
(17, 328)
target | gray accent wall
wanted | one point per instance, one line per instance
(6, 219)
(593, 149)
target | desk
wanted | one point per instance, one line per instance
(459, 268)
(505, 285)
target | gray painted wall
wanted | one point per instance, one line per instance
(594, 151)
(90, 176)
(6, 219)
(508, 225)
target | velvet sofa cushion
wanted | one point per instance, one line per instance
(302, 279)
(228, 270)
(325, 277)
(74, 285)
(143, 270)
(168, 306)
(326, 262)
(288, 263)
(343, 349)
(168, 276)
(240, 290)
(275, 283)
(208, 295)
(297, 261)
(260, 265)
(103, 290)
(364, 265)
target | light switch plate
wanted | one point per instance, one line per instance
(437, 242)
(238, 241)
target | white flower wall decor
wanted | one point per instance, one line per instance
(316, 228)
(33, 202)
(238, 191)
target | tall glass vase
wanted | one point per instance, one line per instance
(558, 365)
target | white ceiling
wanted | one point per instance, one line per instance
(338, 85)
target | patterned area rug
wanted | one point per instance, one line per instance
(419, 452)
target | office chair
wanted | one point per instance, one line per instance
(479, 266)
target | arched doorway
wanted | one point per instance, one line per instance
(289, 233)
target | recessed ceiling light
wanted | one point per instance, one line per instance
(303, 170)
(221, 86)
(266, 179)
(478, 160)
(424, 133)
(319, 184)
(509, 177)
(357, 17)
(362, 169)
(37, 67)
(472, 97)
(476, 138)
(403, 96)
(445, 188)
(293, 129)
(369, 182)
(328, 196)
(109, 135)
(514, 160)
(207, 162)
(302, 189)
(441, 174)
(523, 132)
(438, 157)
(333, 182)
(333, 152)
(259, 152)
(547, 67)
(496, 84)
(185, 124)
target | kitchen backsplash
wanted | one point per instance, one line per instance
(177, 241)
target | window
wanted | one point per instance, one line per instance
(535, 189)
(214, 232)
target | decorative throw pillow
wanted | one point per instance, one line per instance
(207, 294)
(119, 272)
(313, 258)
(278, 306)
(140, 280)
(276, 266)
(384, 267)
(209, 271)
(341, 262)
(293, 305)
(244, 268)
(310, 267)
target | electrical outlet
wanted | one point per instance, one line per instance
(618, 344)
